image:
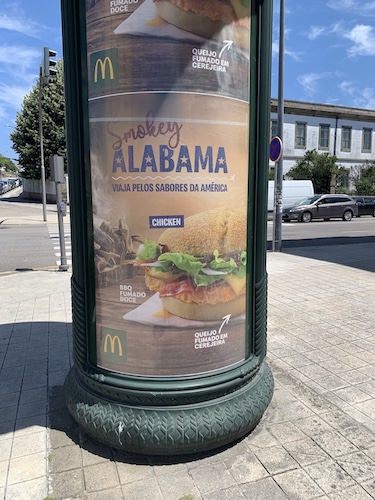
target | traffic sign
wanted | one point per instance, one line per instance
(276, 146)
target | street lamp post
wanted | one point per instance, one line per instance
(278, 191)
(47, 74)
(42, 167)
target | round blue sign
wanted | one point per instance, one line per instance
(275, 148)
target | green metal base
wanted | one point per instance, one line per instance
(169, 430)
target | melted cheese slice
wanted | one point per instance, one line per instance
(156, 22)
(163, 314)
(237, 284)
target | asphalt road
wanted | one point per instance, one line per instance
(29, 245)
(330, 232)
(25, 242)
(24, 247)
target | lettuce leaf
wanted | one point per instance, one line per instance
(225, 266)
(182, 262)
(193, 266)
(189, 264)
(149, 251)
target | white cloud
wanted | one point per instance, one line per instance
(19, 66)
(19, 56)
(3, 114)
(363, 37)
(315, 32)
(353, 6)
(296, 56)
(348, 88)
(361, 98)
(342, 4)
(21, 25)
(12, 96)
(310, 81)
(367, 98)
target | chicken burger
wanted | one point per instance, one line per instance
(199, 270)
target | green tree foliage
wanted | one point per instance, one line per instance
(26, 137)
(322, 170)
(8, 164)
(364, 179)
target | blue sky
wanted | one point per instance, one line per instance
(329, 53)
(25, 27)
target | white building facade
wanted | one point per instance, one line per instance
(347, 133)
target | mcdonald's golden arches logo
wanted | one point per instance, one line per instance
(112, 342)
(112, 346)
(104, 68)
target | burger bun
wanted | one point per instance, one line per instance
(206, 312)
(187, 20)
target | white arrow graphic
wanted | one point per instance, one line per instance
(227, 46)
(225, 322)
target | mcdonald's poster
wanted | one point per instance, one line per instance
(169, 152)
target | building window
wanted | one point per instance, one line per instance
(346, 138)
(366, 140)
(300, 139)
(323, 136)
(273, 128)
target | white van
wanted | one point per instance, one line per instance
(292, 192)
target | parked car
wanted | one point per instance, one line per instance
(366, 205)
(326, 206)
(6, 184)
(15, 181)
(3, 188)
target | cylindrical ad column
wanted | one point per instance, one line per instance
(176, 340)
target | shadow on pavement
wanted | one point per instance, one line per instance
(22, 199)
(355, 251)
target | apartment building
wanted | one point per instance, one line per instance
(347, 133)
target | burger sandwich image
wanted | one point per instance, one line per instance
(204, 17)
(199, 270)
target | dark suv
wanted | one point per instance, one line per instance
(325, 206)
(366, 205)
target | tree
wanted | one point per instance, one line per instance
(322, 170)
(7, 164)
(26, 137)
(364, 179)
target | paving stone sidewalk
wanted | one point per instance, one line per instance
(315, 441)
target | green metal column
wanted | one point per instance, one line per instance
(143, 97)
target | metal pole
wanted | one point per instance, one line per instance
(42, 168)
(278, 190)
(60, 214)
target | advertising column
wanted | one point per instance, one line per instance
(169, 84)
(169, 119)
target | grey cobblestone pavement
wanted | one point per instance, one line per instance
(315, 441)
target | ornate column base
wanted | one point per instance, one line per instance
(169, 430)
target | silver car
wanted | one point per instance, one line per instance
(3, 187)
(326, 206)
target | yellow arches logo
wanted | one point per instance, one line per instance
(112, 350)
(112, 341)
(104, 68)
